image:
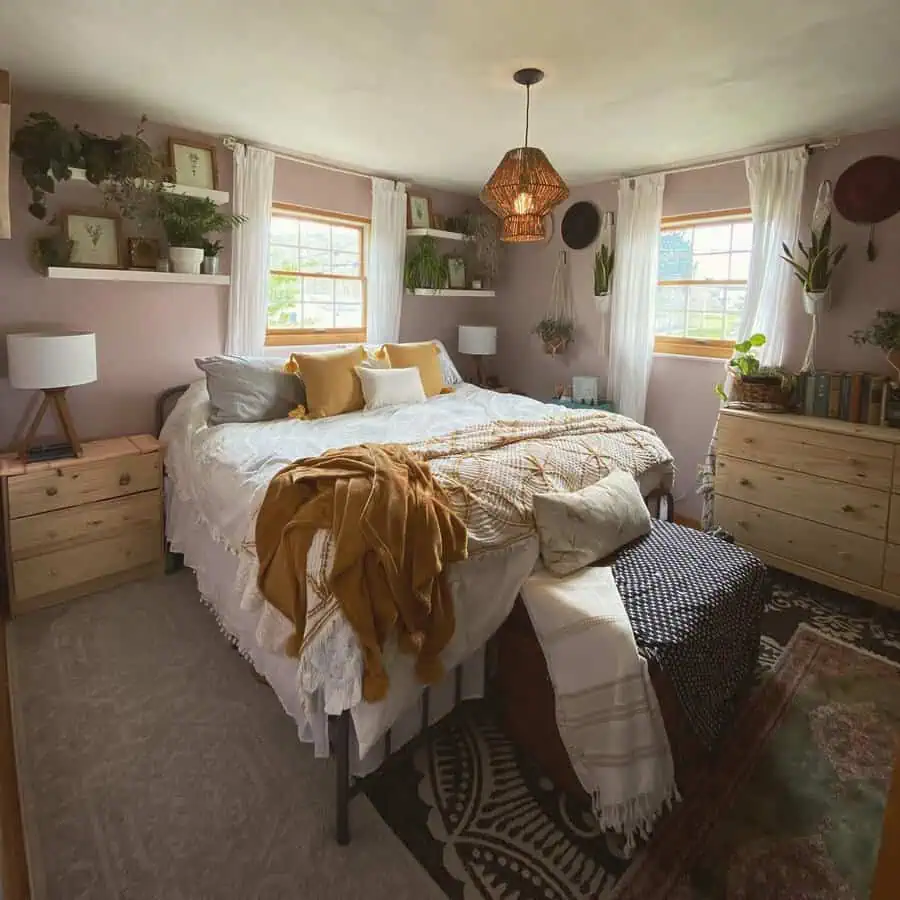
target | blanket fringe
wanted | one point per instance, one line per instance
(636, 817)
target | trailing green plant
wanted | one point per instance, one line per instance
(555, 333)
(187, 221)
(744, 364)
(426, 269)
(820, 260)
(883, 332)
(212, 248)
(604, 262)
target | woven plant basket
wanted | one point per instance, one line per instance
(768, 392)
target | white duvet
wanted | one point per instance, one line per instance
(223, 472)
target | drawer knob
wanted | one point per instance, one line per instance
(741, 524)
(52, 491)
(847, 508)
(748, 440)
(125, 480)
(745, 482)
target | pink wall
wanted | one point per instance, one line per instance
(149, 334)
(681, 404)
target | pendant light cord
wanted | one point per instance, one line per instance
(527, 110)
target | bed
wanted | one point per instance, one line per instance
(216, 480)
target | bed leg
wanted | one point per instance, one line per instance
(341, 749)
(670, 507)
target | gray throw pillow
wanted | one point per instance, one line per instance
(248, 389)
(580, 527)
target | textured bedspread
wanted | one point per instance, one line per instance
(695, 604)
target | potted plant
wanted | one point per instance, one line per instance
(556, 333)
(186, 222)
(426, 269)
(604, 261)
(754, 383)
(814, 271)
(211, 251)
(884, 333)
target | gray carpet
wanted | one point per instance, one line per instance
(152, 765)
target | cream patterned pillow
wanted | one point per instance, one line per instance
(390, 387)
(580, 527)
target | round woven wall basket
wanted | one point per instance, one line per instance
(768, 392)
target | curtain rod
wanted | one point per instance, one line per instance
(811, 147)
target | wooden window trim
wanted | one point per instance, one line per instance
(298, 337)
(680, 346)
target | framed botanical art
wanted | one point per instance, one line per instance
(456, 271)
(96, 239)
(193, 165)
(419, 212)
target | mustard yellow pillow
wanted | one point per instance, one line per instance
(332, 385)
(425, 357)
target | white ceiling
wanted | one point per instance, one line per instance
(422, 89)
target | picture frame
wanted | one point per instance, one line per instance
(456, 272)
(419, 212)
(96, 237)
(142, 253)
(585, 388)
(193, 165)
(438, 221)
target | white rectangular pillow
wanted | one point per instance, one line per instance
(390, 387)
(580, 527)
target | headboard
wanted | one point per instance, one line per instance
(165, 403)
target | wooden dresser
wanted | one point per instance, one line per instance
(817, 497)
(75, 526)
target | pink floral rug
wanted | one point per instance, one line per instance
(793, 807)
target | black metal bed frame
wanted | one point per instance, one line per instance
(347, 786)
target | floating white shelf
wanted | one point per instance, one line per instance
(85, 274)
(438, 234)
(220, 198)
(452, 292)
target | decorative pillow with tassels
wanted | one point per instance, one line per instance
(425, 356)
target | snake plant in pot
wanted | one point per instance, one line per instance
(187, 221)
(815, 268)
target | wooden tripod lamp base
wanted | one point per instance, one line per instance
(55, 397)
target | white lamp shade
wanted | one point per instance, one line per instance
(478, 340)
(42, 361)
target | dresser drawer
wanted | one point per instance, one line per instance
(65, 528)
(66, 568)
(854, 460)
(73, 485)
(843, 553)
(858, 509)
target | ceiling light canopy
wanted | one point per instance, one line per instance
(524, 187)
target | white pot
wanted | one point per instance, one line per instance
(186, 260)
(817, 302)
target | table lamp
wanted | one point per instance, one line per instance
(478, 341)
(51, 362)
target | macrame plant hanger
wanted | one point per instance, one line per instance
(559, 323)
(816, 304)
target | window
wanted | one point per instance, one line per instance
(704, 262)
(317, 278)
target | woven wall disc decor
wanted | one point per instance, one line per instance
(868, 192)
(580, 225)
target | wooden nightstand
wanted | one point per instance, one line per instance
(75, 526)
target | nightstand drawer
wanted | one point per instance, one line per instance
(66, 528)
(58, 488)
(66, 568)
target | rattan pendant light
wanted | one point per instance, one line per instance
(524, 187)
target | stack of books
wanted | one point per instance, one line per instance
(851, 396)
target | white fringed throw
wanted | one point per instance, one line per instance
(606, 709)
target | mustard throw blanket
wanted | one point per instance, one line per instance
(393, 533)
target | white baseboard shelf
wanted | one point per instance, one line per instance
(437, 234)
(85, 274)
(451, 292)
(220, 198)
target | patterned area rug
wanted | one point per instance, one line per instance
(486, 824)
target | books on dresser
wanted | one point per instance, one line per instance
(856, 397)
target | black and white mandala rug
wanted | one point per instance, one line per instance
(487, 825)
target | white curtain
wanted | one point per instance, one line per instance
(776, 193)
(387, 253)
(634, 292)
(254, 176)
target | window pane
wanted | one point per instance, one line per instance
(285, 294)
(315, 260)
(285, 230)
(318, 290)
(735, 299)
(712, 238)
(345, 239)
(675, 255)
(348, 292)
(283, 258)
(706, 325)
(348, 316)
(740, 266)
(670, 310)
(742, 237)
(345, 263)
(318, 315)
(713, 267)
(316, 235)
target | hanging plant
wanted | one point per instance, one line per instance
(604, 262)
(814, 271)
(426, 269)
(555, 333)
